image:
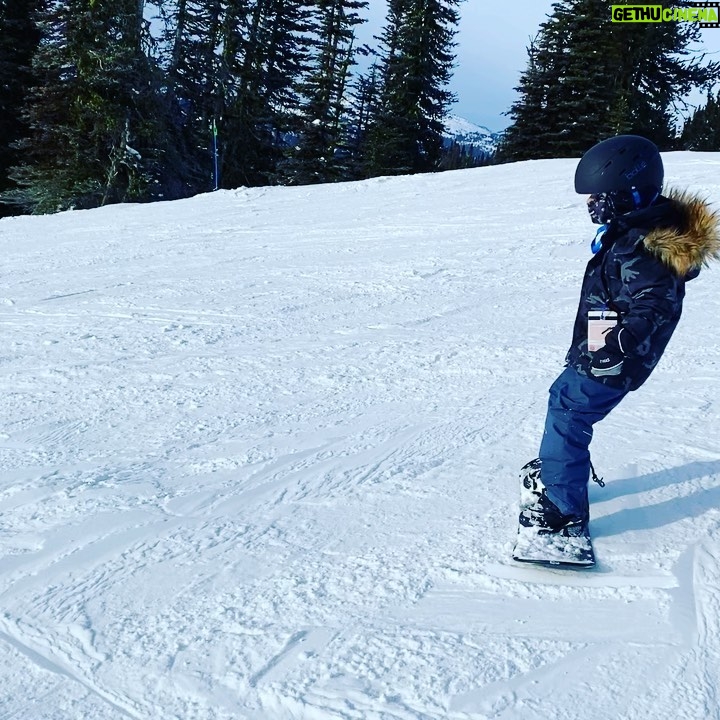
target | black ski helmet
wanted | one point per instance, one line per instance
(625, 162)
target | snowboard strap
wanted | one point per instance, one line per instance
(595, 478)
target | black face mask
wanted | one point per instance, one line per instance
(604, 207)
(601, 208)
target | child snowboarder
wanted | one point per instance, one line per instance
(648, 246)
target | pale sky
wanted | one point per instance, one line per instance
(491, 53)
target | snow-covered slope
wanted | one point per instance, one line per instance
(259, 454)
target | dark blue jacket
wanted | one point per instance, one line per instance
(646, 258)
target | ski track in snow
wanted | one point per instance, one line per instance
(259, 456)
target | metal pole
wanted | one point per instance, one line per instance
(215, 153)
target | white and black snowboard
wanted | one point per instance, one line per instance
(556, 549)
(569, 547)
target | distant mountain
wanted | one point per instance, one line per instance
(474, 138)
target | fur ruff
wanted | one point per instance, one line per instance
(686, 249)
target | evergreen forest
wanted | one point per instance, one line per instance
(105, 102)
(146, 100)
(588, 78)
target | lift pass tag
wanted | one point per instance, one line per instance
(600, 322)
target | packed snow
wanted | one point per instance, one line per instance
(260, 449)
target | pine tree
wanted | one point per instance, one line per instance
(701, 131)
(525, 138)
(363, 106)
(192, 37)
(320, 153)
(95, 138)
(457, 156)
(19, 39)
(267, 56)
(588, 78)
(417, 60)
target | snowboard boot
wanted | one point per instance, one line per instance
(531, 485)
(546, 519)
(547, 537)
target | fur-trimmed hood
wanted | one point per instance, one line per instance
(692, 241)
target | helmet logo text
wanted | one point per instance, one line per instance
(630, 174)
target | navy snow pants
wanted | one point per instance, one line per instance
(576, 404)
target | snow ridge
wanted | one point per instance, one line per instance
(471, 136)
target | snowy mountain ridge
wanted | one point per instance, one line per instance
(259, 461)
(470, 135)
